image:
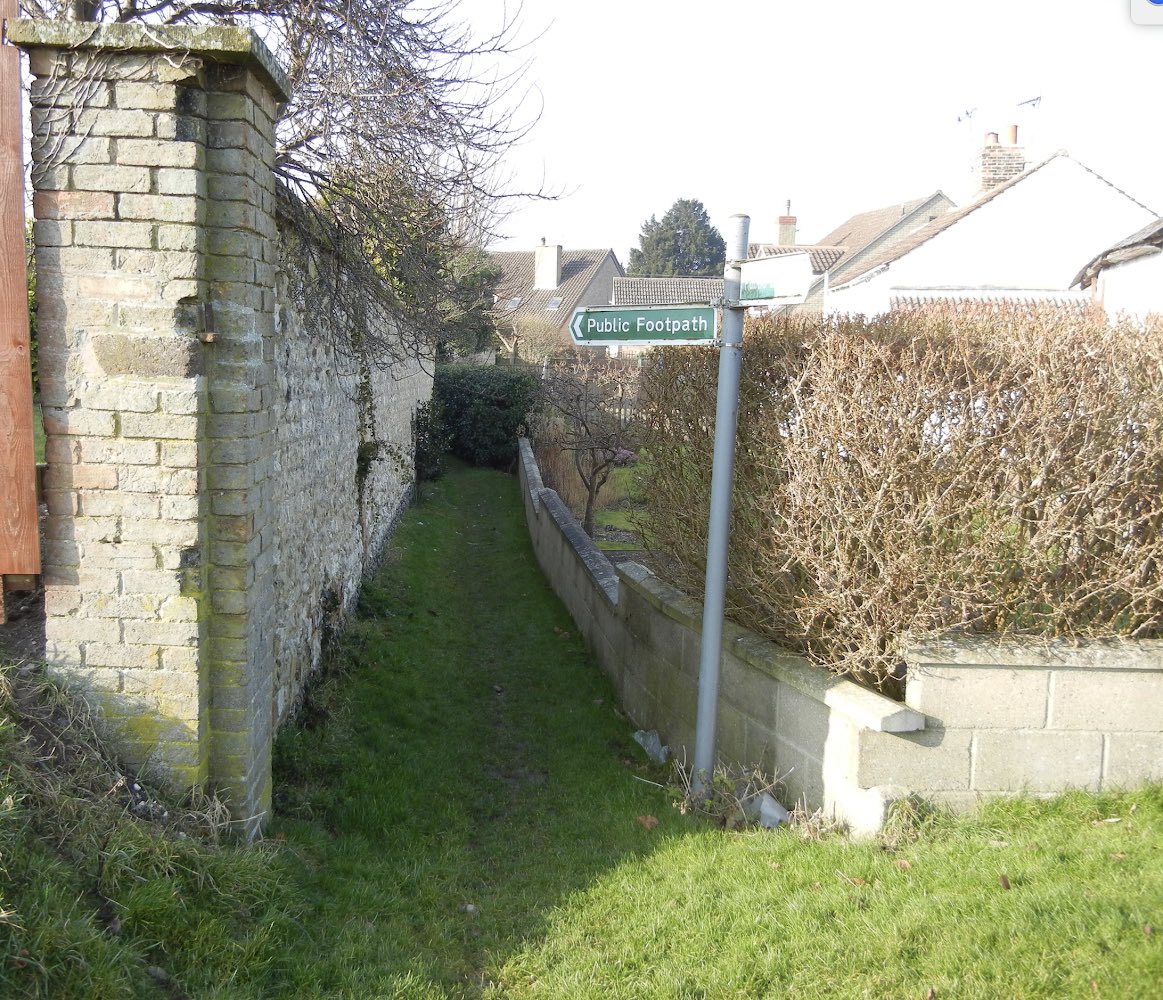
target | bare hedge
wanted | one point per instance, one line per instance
(901, 478)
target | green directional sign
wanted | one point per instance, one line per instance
(644, 326)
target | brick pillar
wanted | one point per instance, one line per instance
(152, 153)
(241, 256)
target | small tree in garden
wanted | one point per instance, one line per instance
(532, 340)
(591, 405)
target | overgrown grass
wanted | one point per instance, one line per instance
(470, 777)
(99, 902)
(461, 815)
(756, 914)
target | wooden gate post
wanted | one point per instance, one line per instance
(19, 537)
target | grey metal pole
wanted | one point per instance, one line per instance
(722, 477)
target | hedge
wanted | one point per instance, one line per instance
(920, 474)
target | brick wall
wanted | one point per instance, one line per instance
(1000, 163)
(206, 522)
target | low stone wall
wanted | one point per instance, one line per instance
(974, 722)
(221, 471)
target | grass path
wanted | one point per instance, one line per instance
(474, 774)
(465, 812)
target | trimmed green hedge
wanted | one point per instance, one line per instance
(485, 410)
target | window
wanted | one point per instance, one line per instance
(554, 304)
(513, 303)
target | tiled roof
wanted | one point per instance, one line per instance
(861, 230)
(578, 268)
(823, 257)
(1147, 240)
(907, 244)
(665, 291)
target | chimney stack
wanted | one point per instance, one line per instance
(546, 266)
(787, 228)
(1001, 162)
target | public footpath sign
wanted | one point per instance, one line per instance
(647, 326)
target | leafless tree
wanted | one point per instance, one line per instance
(393, 139)
(591, 404)
(531, 340)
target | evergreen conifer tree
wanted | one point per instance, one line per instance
(684, 244)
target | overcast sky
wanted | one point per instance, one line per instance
(836, 105)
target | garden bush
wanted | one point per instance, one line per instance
(485, 410)
(431, 439)
(923, 473)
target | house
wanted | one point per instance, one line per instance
(1020, 239)
(539, 289)
(841, 251)
(654, 291)
(1127, 277)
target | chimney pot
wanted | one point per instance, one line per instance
(991, 138)
(1011, 135)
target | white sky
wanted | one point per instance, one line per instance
(838, 105)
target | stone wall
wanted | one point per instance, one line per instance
(979, 719)
(215, 482)
(343, 467)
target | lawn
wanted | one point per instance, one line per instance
(462, 813)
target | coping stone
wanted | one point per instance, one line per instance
(220, 42)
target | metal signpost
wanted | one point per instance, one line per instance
(778, 280)
(719, 527)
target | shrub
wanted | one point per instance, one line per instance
(900, 478)
(485, 410)
(431, 439)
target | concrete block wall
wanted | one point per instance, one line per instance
(775, 709)
(980, 718)
(1040, 716)
(177, 547)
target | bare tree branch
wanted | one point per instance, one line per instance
(395, 133)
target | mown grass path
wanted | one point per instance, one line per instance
(471, 776)
(464, 811)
